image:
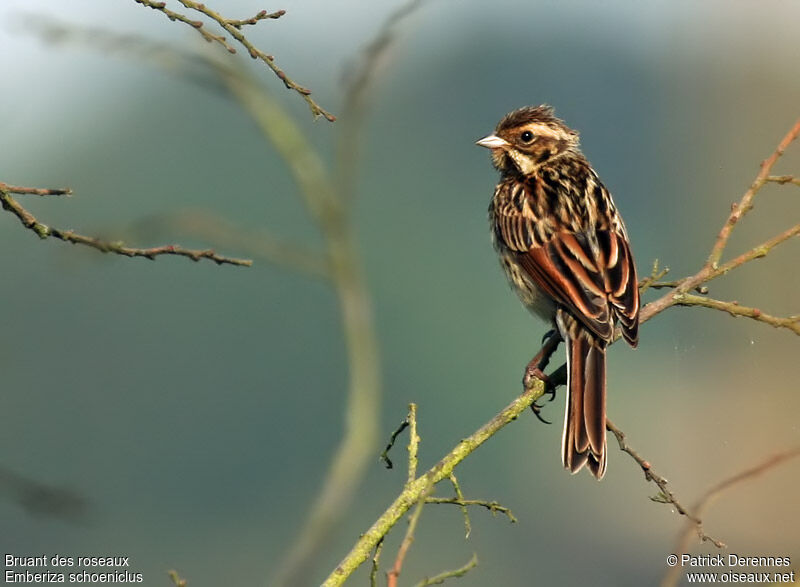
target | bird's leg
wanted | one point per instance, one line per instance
(537, 364)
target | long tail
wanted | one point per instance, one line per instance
(584, 441)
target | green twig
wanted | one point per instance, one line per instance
(459, 572)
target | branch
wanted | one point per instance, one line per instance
(408, 539)
(666, 495)
(373, 574)
(492, 506)
(746, 203)
(195, 24)
(734, 309)
(233, 27)
(783, 179)
(711, 269)
(459, 572)
(412, 493)
(15, 189)
(30, 222)
(260, 16)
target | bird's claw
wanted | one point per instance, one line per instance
(537, 411)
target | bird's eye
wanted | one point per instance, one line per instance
(526, 136)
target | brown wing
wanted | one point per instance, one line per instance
(597, 285)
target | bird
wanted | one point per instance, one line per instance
(565, 251)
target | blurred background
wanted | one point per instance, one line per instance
(187, 413)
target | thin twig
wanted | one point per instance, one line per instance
(385, 454)
(665, 495)
(459, 498)
(413, 444)
(263, 15)
(492, 506)
(746, 203)
(735, 309)
(459, 572)
(15, 189)
(783, 179)
(195, 24)
(655, 274)
(256, 53)
(408, 539)
(30, 222)
(711, 269)
(233, 27)
(376, 557)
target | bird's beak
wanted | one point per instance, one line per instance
(492, 142)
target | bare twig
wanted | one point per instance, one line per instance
(408, 539)
(376, 557)
(195, 24)
(233, 27)
(710, 496)
(712, 269)
(260, 16)
(459, 572)
(385, 454)
(43, 231)
(256, 53)
(746, 203)
(492, 506)
(413, 444)
(665, 495)
(656, 273)
(15, 189)
(735, 309)
(464, 510)
(783, 179)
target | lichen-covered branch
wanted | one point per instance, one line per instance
(30, 222)
(412, 493)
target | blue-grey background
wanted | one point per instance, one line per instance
(196, 407)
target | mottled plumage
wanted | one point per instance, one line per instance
(565, 251)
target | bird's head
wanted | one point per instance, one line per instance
(528, 138)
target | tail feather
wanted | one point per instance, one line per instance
(584, 439)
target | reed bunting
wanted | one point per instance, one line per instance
(565, 251)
